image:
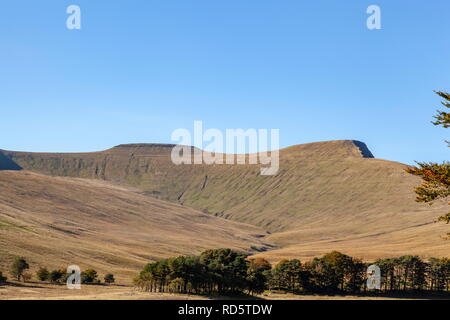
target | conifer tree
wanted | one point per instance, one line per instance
(435, 176)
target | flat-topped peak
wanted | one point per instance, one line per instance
(142, 149)
(145, 145)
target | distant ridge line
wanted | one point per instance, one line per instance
(362, 148)
(142, 145)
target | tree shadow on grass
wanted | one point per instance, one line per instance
(411, 295)
(31, 285)
(229, 297)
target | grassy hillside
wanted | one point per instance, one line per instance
(55, 222)
(327, 195)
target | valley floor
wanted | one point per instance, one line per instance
(43, 291)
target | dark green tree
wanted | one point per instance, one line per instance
(227, 269)
(109, 278)
(336, 271)
(288, 275)
(439, 274)
(89, 276)
(18, 267)
(412, 272)
(388, 273)
(257, 275)
(355, 275)
(43, 274)
(56, 276)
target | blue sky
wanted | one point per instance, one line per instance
(137, 70)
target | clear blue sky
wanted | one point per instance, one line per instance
(137, 70)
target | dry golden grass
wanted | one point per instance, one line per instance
(45, 291)
(56, 222)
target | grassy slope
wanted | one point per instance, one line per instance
(56, 221)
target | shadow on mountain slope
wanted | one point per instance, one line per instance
(7, 164)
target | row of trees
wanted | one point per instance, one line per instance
(225, 271)
(333, 272)
(20, 265)
(338, 272)
(410, 272)
(88, 276)
(213, 271)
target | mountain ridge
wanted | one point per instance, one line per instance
(365, 152)
(325, 195)
(149, 167)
